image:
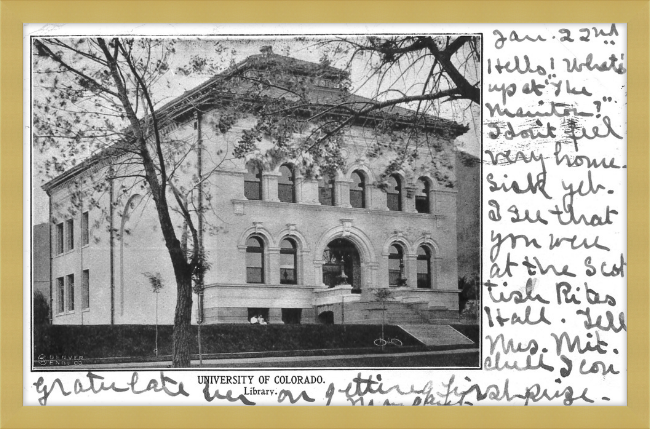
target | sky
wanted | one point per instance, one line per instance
(223, 51)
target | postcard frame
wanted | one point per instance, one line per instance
(14, 13)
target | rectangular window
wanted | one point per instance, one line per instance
(60, 295)
(393, 202)
(59, 239)
(393, 272)
(288, 268)
(258, 315)
(325, 195)
(291, 316)
(69, 234)
(424, 278)
(356, 199)
(285, 193)
(288, 276)
(254, 268)
(393, 277)
(422, 204)
(85, 290)
(70, 281)
(423, 281)
(85, 238)
(252, 190)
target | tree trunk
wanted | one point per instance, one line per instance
(181, 338)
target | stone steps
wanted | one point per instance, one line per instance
(436, 335)
(398, 312)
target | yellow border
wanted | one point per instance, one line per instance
(14, 13)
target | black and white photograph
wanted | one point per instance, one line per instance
(255, 201)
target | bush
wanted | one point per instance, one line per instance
(41, 309)
(102, 341)
(470, 290)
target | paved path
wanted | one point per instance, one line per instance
(253, 361)
(436, 335)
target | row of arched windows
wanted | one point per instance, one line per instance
(255, 261)
(288, 262)
(327, 189)
(396, 276)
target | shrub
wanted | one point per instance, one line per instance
(41, 309)
(103, 341)
(470, 290)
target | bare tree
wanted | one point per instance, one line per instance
(98, 97)
(410, 82)
(383, 295)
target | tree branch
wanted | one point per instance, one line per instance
(44, 50)
(152, 111)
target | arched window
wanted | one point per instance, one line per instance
(326, 190)
(396, 266)
(394, 193)
(286, 184)
(424, 268)
(288, 253)
(358, 190)
(422, 196)
(254, 260)
(253, 182)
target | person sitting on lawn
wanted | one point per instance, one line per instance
(261, 320)
(254, 320)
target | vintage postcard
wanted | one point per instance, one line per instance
(326, 215)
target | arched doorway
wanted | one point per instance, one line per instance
(326, 318)
(342, 264)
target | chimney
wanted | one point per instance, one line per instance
(266, 50)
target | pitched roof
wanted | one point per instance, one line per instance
(327, 96)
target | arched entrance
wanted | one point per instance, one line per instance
(326, 318)
(342, 264)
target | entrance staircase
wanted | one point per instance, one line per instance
(398, 313)
(436, 335)
(429, 325)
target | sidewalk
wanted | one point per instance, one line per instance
(211, 363)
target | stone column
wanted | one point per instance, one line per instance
(239, 174)
(301, 195)
(309, 191)
(408, 199)
(376, 198)
(275, 316)
(270, 186)
(432, 201)
(370, 280)
(237, 274)
(318, 274)
(308, 316)
(435, 270)
(273, 266)
(411, 270)
(342, 193)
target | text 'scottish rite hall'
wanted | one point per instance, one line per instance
(286, 235)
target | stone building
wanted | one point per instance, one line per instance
(290, 245)
(468, 221)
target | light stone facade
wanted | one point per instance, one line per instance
(119, 292)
